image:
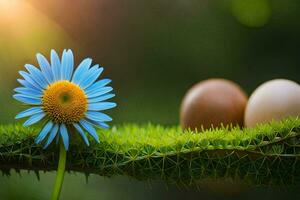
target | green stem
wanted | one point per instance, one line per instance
(60, 172)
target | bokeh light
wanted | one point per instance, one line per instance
(251, 13)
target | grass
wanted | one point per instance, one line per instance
(265, 155)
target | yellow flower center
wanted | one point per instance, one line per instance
(64, 102)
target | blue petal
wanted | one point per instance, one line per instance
(65, 136)
(64, 61)
(81, 132)
(45, 67)
(101, 98)
(100, 124)
(28, 100)
(86, 74)
(29, 112)
(28, 85)
(99, 92)
(34, 119)
(29, 79)
(97, 85)
(52, 135)
(82, 68)
(98, 116)
(91, 78)
(103, 125)
(55, 62)
(27, 96)
(29, 91)
(44, 132)
(37, 75)
(67, 64)
(101, 106)
(90, 129)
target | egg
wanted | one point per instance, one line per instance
(273, 100)
(211, 103)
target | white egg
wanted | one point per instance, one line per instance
(273, 100)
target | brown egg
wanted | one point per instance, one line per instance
(211, 103)
(274, 100)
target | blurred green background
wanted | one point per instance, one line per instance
(153, 51)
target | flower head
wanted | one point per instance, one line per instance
(64, 99)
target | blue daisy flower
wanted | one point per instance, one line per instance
(63, 98)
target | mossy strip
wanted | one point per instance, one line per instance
(266, 155)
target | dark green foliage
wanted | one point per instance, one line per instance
(266, 155)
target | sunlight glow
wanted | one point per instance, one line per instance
(24, 31)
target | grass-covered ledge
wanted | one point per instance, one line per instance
(266, 155)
